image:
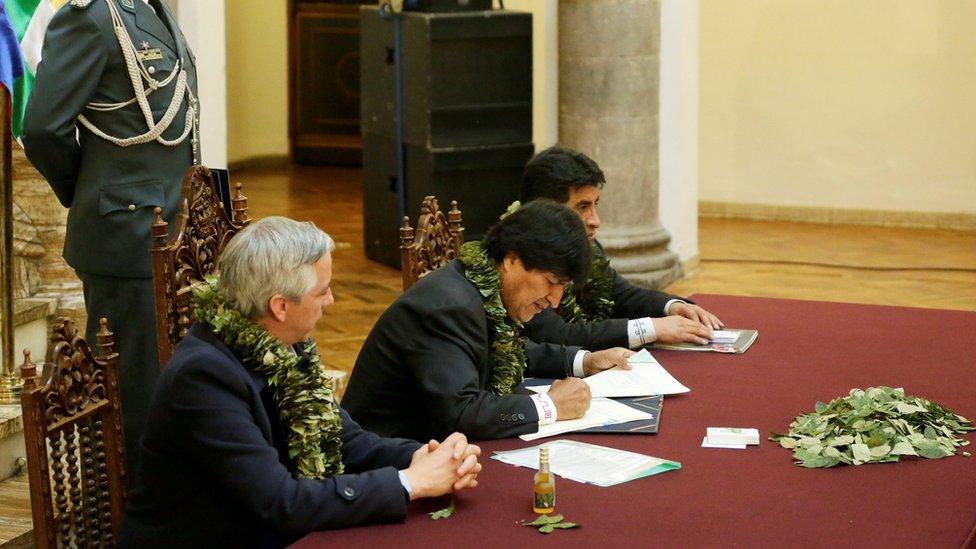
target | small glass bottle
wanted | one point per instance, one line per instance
(544, 490)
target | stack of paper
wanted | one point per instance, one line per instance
(603, 411)
(589, 463)
(730, 437)
(725, 336)
(723, 341)
(646, 377)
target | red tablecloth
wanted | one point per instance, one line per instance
(806, 351)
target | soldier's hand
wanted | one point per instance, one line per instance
(598, 361)
(571, 397)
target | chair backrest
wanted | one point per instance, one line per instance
(436, 240)
(182, 260)
(73, 438)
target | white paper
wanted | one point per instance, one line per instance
(725, 336)
(706, 444)
(603, 411)
(645, 378)
(588, 463)
(732, 435)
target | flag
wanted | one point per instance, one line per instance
(29, 19)
(11, 65)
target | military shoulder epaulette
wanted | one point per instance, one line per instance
(80, 4)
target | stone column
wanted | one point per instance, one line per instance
(43, 222)
(608, 109)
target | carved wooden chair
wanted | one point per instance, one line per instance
(436, 240)
(201, 230)
(73, 437)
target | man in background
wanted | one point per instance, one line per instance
(605, 310)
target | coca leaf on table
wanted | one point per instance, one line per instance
(443, 513)
(874, 425)
(543, 520)
(546, 524)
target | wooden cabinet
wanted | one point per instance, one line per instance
(324, 82)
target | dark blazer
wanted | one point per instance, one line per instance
(629, 302)
(215, 469)
(110, 191)
(423, 371)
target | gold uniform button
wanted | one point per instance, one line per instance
(132, 207)
(151, 70)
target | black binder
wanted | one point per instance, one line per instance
(222, 177)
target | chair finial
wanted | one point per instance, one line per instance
(406, 232)
(105, 339)
(455, 227)
(28, 370)
(239, 204)
(159, 227)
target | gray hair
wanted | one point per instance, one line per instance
(274, 255)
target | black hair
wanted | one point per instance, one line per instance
(546, 236)
(555, 171)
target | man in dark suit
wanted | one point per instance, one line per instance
(113, 135)
(448, 354)
(606, 310)
(245, 444)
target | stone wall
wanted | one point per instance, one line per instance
(39, 227)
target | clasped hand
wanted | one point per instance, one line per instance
(439, 468)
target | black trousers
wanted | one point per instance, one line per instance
(128, 304)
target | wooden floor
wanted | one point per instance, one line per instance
(891, 266)
(924, 268)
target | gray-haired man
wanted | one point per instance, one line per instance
(246, 445)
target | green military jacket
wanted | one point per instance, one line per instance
(110, 190)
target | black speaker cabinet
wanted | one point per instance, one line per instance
(467, 77)
(484, 180)
(467, 117)
(447, 5)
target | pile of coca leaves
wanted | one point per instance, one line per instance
(875, 425)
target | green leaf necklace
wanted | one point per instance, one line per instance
(592, 303)
(306, 404)
(507, 360)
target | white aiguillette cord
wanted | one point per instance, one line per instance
(137, 72)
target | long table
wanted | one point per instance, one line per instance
(806, 351)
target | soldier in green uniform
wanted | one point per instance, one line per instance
(111, 123)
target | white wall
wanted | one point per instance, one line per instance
(867, 104)
(203, 24)
(545, 68)
(257, 78)
(678, 123)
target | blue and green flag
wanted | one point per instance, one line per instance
(29, 20)
(11, 64)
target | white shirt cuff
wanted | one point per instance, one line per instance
(578, 363)
(546, 408)
(640, 332)
(667, 306)
(405, 482)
